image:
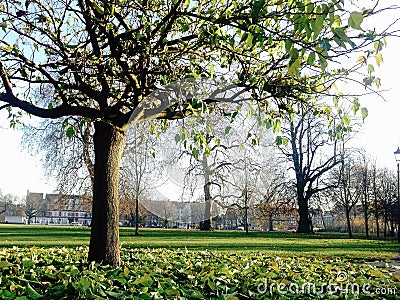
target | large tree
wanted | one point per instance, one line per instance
(100, 59)
(313, 153)
(387, 183)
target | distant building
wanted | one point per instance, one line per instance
(58, 209)
(68, 209)
(14, 219)
(13, 214)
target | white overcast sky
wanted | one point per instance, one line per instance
(19, 171)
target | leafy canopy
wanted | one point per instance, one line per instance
(99, 59)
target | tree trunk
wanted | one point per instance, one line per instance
(271, 223)
(391, 228)
(311, 223)
(348, 223)
(104, 239)
(366, 221)
(323, 219)
(304, 220)
(385, 220)
(137, 213)
(376, 206)
(246, 210)
(207, 223)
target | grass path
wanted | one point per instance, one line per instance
(273, 244)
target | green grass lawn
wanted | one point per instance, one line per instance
(270, 243)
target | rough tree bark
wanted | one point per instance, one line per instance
(104, 240)
(304, 217)
(348, 221)
(207, 223)
(270, 223)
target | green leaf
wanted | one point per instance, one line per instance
(28, 263)
(70, 132)
(268, 124)
(207, 151)
(336, 101)
(172, 292)
(362, 60)
(4, 26)
(370, 68)
(346, 120)
(376, 273)
(185, 27)
(356, 106)
(311, 58)
(288, 45)
(195, 153)
(322, 61)
(277, 125)
(177, 138)
(257, 7)
(97, 7)
(294, 67)
(368, 80)
(279, 141)
(5, 264)
(145, 280)
(364, 113)
(212, 72)
(342, 34)
(32, 292)
(355, 20)
(378, 59)
(244, 37)
(317, 25)
(227, 129)
(64, 124)
(249, 41)
(114, 294)
(324, 43)
(377, 82)
(378, 46)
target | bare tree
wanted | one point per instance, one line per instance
(244, 185)
(207, 144)
(313, 153)
(387, 189)
(375, 197)
(138, 167)
(66, 146)
(364, 184)
(276, 199)
(35, 205)
(347, 194)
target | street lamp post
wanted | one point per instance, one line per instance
(397, 157)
